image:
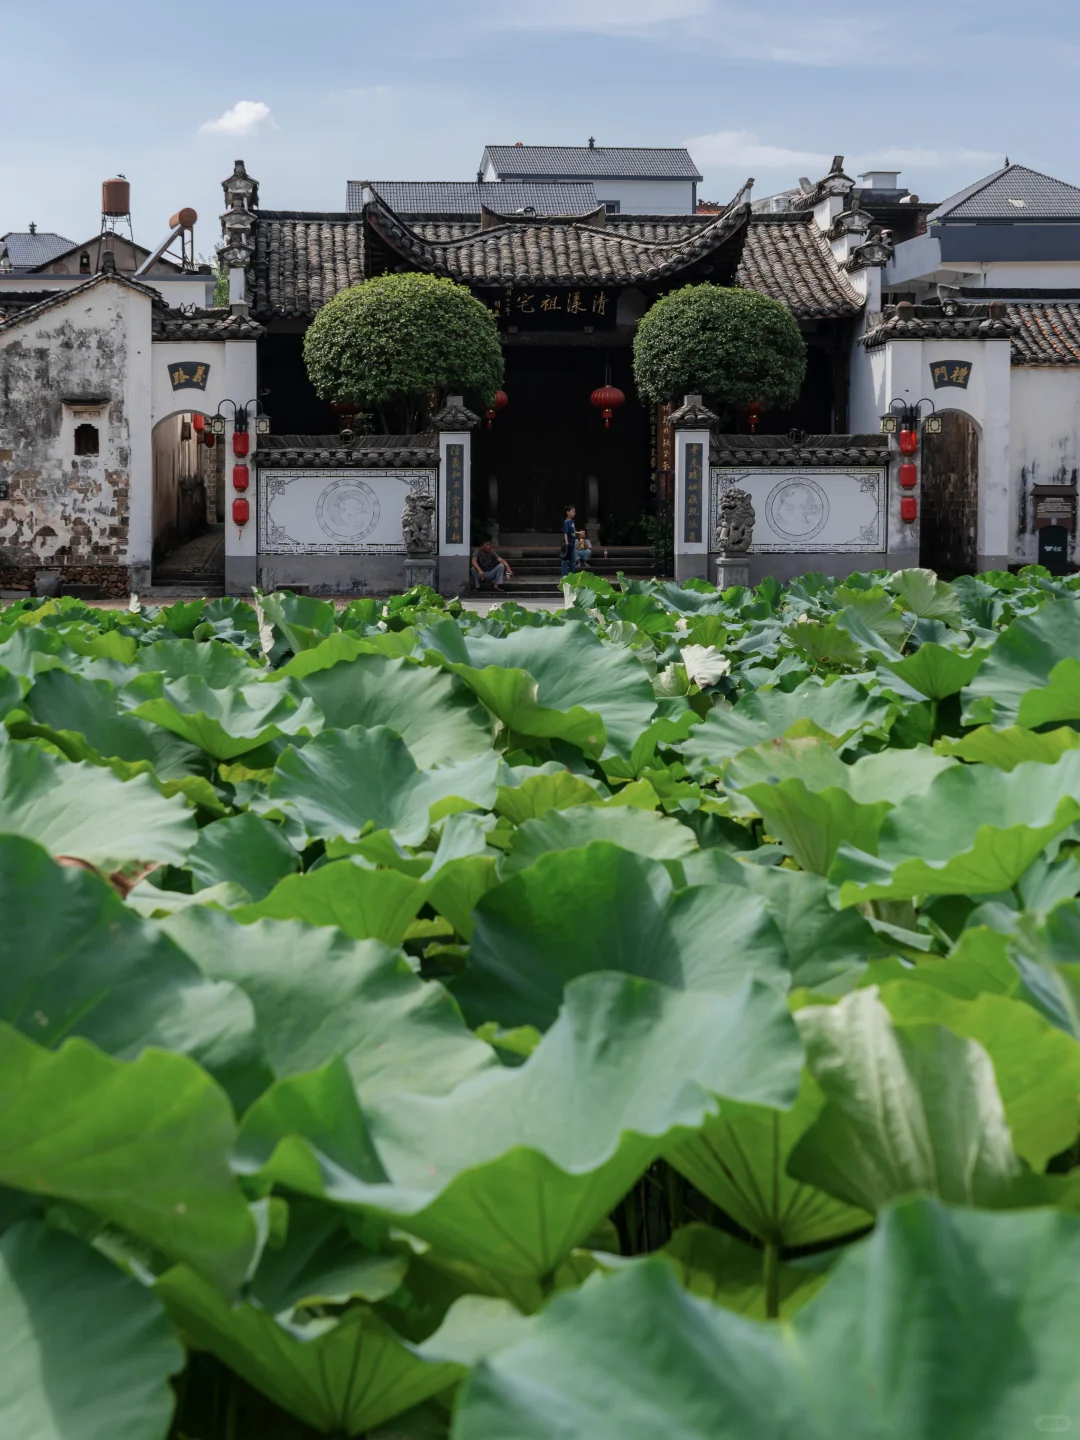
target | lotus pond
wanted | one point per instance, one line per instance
(659, 1017)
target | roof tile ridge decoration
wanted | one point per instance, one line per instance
(217, 322)
(834, 183)
(454, 415)
(952, 321)
(798, 449)
(692, 415)
(58, 297)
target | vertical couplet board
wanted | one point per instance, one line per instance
(693, 493)
(454, 533)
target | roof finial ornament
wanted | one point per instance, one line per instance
(33, 227)
(1006, 162)
(592, 142)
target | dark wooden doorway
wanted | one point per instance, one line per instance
(950, 497)
(549, 440)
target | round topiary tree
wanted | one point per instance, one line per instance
(398, 344)
(733, 347)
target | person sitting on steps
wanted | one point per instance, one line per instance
(489, 567)
(583, 551)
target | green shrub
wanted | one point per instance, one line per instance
(731, 346)
(399, 344)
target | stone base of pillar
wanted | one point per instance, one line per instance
(241, 574)
(732, 570)
(691, 567)
(422, 570)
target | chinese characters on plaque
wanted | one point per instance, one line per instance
(692, 496)
(950, 372)
(548, 307)
(189, 374)
(455, 495)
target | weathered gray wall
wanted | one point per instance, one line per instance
(65, 510)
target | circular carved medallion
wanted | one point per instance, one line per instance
(798, 508)
(348, 510)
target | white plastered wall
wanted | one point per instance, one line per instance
(1045, 433)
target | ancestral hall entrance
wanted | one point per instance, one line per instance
(950, 497)
(549, 440)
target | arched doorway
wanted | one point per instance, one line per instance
(188, 499)
(950, 497)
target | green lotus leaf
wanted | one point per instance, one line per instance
(740, 1162)
(925, 596)
(319, 1262)
(346, 780)
(144, 1144)
(245, 850)
(641, 831)
(84, 811)
(223, 666)
(491, 1173)
(341, 1376)
(63, 1377)
(1036, 1065)
(908, 1108)
(937, 671)
(975, 830)
(224, 723)
(841, 712)
(301, 620)
(317, 994)
(574, 673)
(10, 691)
(1019, 673)
(899, 1337)
(434, 713)
(74, 960)
(1010, 747)
(367, 904)
(602, 907)
(538, 794)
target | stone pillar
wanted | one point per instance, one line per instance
(692, 424)
(241, 541)
(453, 513)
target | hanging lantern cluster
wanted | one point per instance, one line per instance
(903, 420)
(753, 413)
(607, 400)
(500, 402)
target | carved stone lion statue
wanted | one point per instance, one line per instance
(418, 523)
(735, 527)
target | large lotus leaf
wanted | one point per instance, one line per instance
(937, 671)
(145, 1145)
(301, 620)
(1012, 746)
(740, 1162)
(82, 810)
(27, 652)
(222, 666)
(491, 1173)
(224, 723)
(574, 672)
(86, 720)
(367, 904)
(346, 780)
(641, 831)
(244, 849)
(908, 1108)
(841, 712)
(603, 907)
(317, 993)
(537, 794)
(943, 1322)
(87, 1352)
(1036, 1065)
(925, 596)
(974, 831)
(10, 691)
(74, 960)
(434, 713)
(319, 1262)
(342, 1376)
(1017, 684)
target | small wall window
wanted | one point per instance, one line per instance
(86, 440)
(613, 206)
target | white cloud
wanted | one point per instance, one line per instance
(744, 152)
(246, 117)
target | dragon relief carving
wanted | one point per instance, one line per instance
(418, 523)
(735, 525)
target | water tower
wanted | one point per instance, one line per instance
(115, 211)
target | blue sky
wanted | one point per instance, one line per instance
(410, 89)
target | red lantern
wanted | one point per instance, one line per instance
(607, 400)
(208, 439)
(753, 414)
(241, 442)
(909, 442)
(198, 423)
(241, 512)
(500, 402)
(909, 509)
(240, 477)
(909, 476)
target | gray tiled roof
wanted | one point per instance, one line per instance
(600, 162)
(797, 449)
(465, 197)
(58, 297)
(787, 258)
(1047, 332)
(302, 259)
(25, 250)
(1039, 197)
(285, 451)
(217, 323)
(929, 322)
